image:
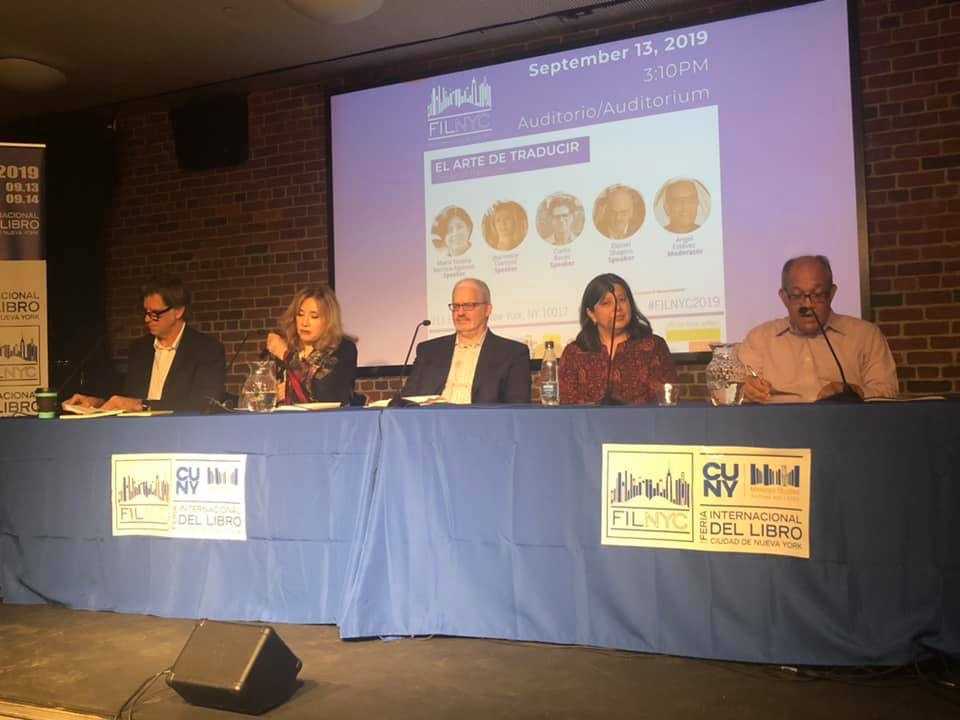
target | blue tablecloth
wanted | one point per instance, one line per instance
(486, 522)
(306, 482)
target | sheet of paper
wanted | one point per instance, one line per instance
(92, 413)
(308, 406)
(416, 399)
(145, 413)
(80, 409)
(903, 399)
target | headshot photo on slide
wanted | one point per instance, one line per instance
(618, 212)
(451, 231)
(682, 205)
(560, 219)
(505, 225)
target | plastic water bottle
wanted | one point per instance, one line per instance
(549, 387)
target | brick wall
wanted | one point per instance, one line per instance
(245, 237)
(910, 56)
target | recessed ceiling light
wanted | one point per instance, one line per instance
(336, 12)
(27, 76)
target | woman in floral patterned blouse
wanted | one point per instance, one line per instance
(641, 360)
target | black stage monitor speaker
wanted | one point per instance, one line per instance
(243, 668)
(211, 132)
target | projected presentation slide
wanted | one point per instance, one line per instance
(691, 162)
(583, 215)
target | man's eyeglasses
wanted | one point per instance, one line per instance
(815, 297)
(156, 314)
(469, 307)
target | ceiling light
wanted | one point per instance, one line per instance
(336, 12)
(28, 76)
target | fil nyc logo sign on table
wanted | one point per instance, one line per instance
(179, 495)
(716, 499)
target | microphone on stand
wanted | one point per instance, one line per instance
(608, 398)
(237, 353)
(97, 344)
(229, 401)
(848, 394)
(396, 400)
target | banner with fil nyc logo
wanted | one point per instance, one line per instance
(715, 499)
(179, 495)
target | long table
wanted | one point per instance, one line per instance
(485, 521)
(305, 481)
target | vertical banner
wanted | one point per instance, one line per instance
(23, 334)
(22, 231)
(23, 278)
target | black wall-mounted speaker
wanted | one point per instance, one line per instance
(211, 132)
(231, 666)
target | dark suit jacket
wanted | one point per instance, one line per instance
(197, 372)
(503, 370)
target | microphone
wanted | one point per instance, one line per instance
(848, 394)
(396, 400)
(228, 398)
(608, 398)
(237, 353)
(97, 344)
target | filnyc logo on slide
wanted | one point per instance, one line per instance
(453, 112)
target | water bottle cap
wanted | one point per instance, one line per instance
(548, 344)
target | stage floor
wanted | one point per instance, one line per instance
(90, 662)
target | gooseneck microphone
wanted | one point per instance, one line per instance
(237, 353)
(97, 344)
(229, 401)
(608, 398)
(848, 394)
(396, 400)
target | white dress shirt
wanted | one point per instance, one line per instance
(463, 368)
(162, 361)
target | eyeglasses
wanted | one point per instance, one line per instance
(469, 307)
(156, 314)
(819, 296)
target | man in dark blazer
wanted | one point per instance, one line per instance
(174, 367)
(473, 365)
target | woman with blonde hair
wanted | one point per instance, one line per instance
(320, 360)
